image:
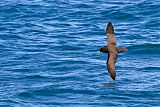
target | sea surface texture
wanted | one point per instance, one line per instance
(48, 53)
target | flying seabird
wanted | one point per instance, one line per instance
(112, 49)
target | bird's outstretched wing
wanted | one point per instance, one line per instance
(110, 34)
(112, 57)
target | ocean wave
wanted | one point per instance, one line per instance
(150, 49)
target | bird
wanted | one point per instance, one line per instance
(112, 49)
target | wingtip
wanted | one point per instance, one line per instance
(110, 23)
(113, 77)
(110, 28)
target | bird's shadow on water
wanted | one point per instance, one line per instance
(110, 84)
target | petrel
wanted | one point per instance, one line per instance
(112, 49)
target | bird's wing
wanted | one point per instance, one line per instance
(112, 57)
(110, 34)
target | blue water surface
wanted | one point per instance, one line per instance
(48, 53)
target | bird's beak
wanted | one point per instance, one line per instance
(98, 52)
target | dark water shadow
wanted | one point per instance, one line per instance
(110, 84)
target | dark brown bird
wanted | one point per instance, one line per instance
(112, 49)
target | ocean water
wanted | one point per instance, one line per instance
(48, 53)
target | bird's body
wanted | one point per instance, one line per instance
(112, 49)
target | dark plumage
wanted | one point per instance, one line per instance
(112, 49)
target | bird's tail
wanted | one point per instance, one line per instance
(122, 50)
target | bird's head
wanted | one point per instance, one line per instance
(103, 50)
